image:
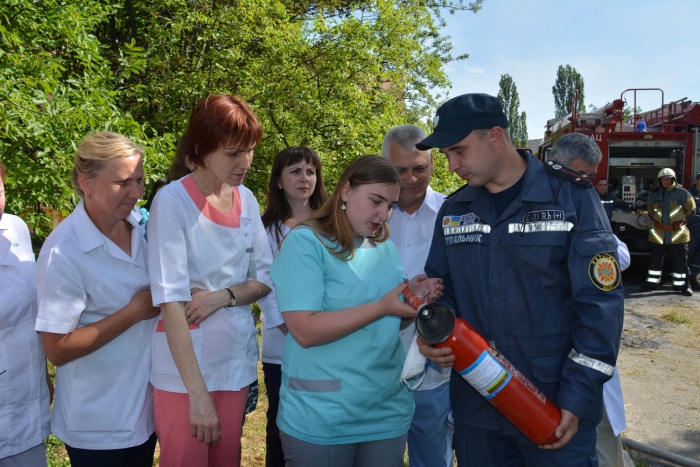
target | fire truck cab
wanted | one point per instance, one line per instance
(634, 150)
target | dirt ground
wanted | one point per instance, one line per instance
(659, 365)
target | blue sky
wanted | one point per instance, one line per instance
(613, 44)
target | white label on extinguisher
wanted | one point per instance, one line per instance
(486, 375)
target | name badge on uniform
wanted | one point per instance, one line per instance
(545, 220)
(465, 228)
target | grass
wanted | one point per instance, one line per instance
(639, 459)
(56, 454)
(676, 317)
(253, 440)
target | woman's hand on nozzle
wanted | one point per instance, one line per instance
(392, 305)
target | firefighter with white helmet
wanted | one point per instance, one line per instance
(669, 206)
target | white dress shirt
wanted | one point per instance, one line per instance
(103, 400)
(412, 234)
(24, 395)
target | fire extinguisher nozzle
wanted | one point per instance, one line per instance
(434, 322)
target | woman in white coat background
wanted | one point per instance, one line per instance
(95, 311)
(24, 390)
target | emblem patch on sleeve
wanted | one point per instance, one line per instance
(604, 272)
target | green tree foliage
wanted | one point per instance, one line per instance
(628, 111)
(521, 137)
(508, 94)
(567, 82)
(330, 74)
(56, 86)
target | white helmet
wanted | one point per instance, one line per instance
(667, 173)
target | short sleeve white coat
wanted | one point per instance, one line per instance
(24, 395)
(188, 249)
(103, 400)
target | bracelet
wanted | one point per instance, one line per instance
(414, 300)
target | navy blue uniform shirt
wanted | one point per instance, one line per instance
(542, 282)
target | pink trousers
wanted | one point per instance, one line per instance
(178, 448)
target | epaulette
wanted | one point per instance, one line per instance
(457, 190)
(568, 174)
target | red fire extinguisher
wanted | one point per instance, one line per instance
(491, 374)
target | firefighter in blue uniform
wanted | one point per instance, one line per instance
(528, 260)
(608, 201)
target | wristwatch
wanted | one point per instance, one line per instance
(233, 298)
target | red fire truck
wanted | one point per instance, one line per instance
(634, 150)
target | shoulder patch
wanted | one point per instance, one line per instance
(604, 272)
(568, 174)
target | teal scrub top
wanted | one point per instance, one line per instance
(347, 391)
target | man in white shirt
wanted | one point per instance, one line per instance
(411, 228)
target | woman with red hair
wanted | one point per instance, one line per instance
(209, 260)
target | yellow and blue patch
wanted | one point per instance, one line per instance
(451, 221)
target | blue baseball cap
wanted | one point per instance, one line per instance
(459, 116)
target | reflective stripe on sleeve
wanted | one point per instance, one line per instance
(591, 363)
(675, 211)
(658, 238)
(533, 227)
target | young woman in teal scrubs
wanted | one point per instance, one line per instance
(338, 283)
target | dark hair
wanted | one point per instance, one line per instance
(330, 221)
(599, 179)
(2, 173)
(220, 120)
(179, 165)
(278, 209)
(157, 185)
